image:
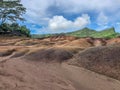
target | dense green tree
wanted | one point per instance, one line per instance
(4, 27)
(11, 11)
(25, 31)
(14, 28)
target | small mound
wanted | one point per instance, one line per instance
(62, 37)
(104, 60)
(19, 53)
(48, 55)
(72, 49)
(27, 42)
(113, 41)
(6, 52)
(83, 43)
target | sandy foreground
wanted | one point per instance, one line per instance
(22, 67)
(21, 74)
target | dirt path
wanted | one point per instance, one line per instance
(87, 80)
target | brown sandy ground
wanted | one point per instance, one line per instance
(35, 64)
(21, 74)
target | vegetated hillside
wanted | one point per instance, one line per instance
(85, 32)
(105, 33)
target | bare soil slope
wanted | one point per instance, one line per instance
(102, 59)
(22, 74)
(35, 64)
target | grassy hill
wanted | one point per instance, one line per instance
(86, 32)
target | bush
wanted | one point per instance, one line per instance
(25, 31)
(14, 29)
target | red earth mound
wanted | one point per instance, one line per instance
(113, 41)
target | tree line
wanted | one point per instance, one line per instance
(11, 12)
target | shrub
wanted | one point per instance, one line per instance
(14, 29)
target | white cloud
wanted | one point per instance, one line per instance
(82, 21)
(118, 23)
(37, 9)
(40, 12)
(76, 6)
(102, 19)
(61, 23)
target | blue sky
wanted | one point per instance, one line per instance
(56, 16)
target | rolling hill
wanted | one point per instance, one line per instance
(86, 32)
